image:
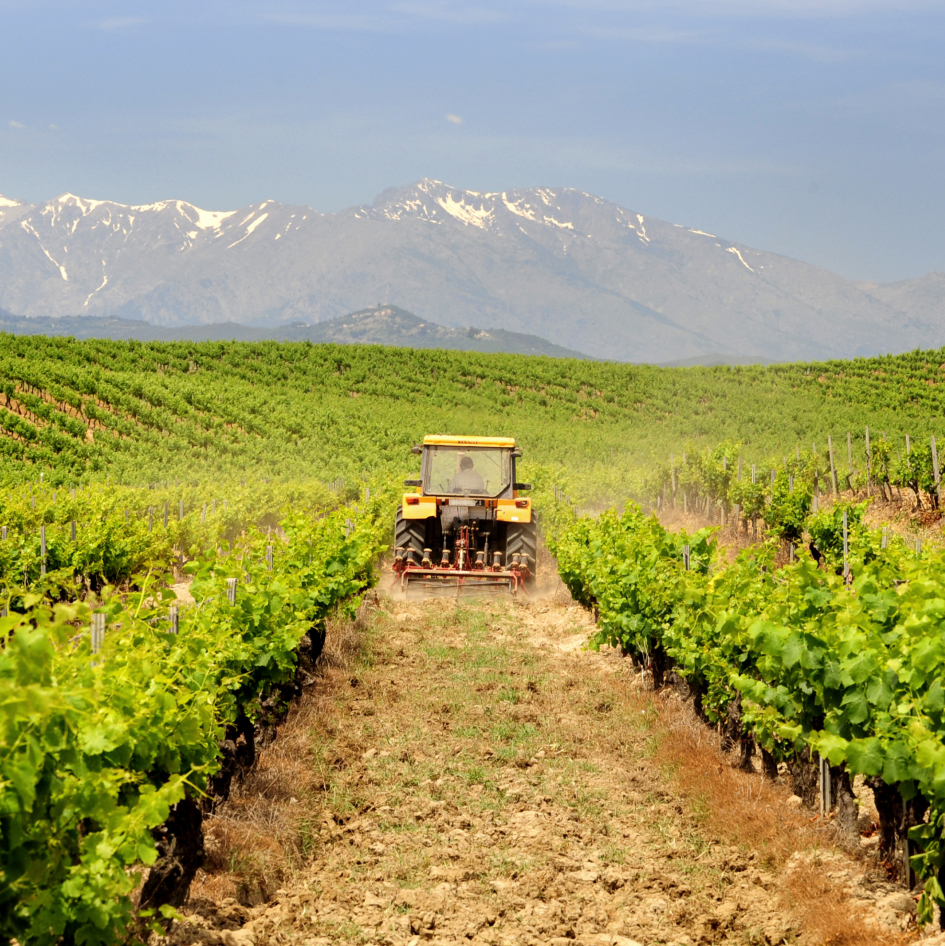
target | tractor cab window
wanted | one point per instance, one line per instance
(466, 471)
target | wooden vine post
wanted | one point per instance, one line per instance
(938, 480)
(826, 803)
(97, 633)
(833, 469)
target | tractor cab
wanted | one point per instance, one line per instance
(474, 468)
(465, 522)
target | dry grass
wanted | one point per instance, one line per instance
(743, 807)
(259, 838)
(753, 812)
(823, 908)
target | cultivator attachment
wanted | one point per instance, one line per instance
(463, 572)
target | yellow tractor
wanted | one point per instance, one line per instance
(464, 527)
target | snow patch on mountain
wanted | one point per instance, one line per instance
(732, 249)
(516, 208)
(465, 213)
(85, 205)
(210, 219)
(102, 286)
(249, 229)
(25, 224)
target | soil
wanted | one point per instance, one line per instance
(478, 776)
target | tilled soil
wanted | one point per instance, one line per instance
(482, 779)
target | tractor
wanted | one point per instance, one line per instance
(465, 527)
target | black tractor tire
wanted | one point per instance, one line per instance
(410, 534)
(523, 537)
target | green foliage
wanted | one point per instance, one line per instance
(92, 756)
(826, 529)
(113, 540)
(788, 508)
(95, 749)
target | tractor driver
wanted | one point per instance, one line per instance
(467, 480)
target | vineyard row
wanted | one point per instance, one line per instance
(125, 716)
(808, 659)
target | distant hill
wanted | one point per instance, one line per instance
(551, 262)
(378, 325)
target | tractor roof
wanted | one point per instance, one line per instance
(443, 440)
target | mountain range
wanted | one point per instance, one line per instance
(583, 273)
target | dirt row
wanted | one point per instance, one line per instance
(476, 775)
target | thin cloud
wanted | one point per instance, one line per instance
(395, 17)
(810, 50)
(805, 9)
(16, 124)
(659, 36)
(333, 21)
(120, 22)
(450, 13)
(656, 35)
(455, 119)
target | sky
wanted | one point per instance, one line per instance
(813, 128)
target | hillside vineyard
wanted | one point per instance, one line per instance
(148, 412)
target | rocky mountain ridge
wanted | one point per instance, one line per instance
(558, 263)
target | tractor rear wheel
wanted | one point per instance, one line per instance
(522, 538)
(410, 534)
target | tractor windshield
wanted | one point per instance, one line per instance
(466, 471)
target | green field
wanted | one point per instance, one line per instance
(155, 412)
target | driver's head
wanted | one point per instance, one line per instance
(466, 463)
